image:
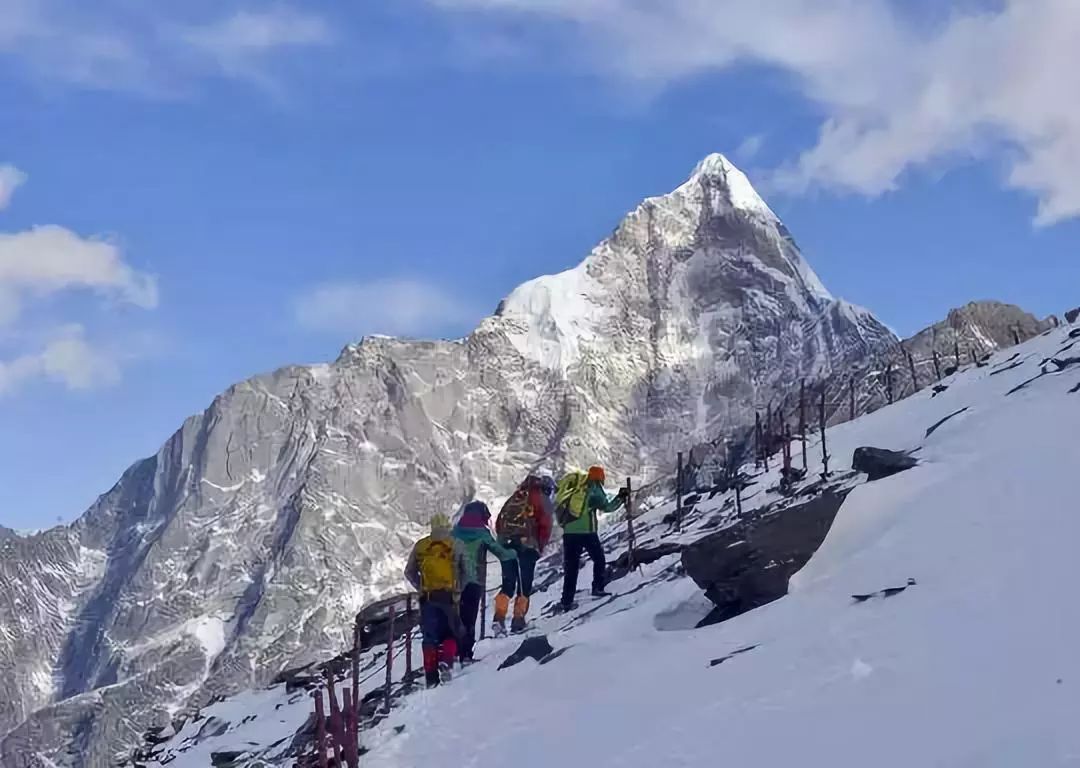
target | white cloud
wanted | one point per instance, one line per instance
(10, 179)
(397, 307)
(897, 92)
(49, 260)
(68, 359)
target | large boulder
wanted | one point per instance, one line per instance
(879, 462)
(749, 564)
(1072, 315)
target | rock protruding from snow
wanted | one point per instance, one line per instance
(879, 463)
(748, 564)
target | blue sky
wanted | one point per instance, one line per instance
(190, 196)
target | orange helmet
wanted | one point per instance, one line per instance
(597, 473)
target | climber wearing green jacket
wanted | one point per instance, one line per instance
(581, 534)
(476, 540)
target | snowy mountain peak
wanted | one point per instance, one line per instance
(741, 193)
(711, 252)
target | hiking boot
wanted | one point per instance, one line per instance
(498, 629)
(566, 607)
(432, 679)
(445, 673)
(601, 592)
(517, 626)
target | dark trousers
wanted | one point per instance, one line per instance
(517, 575)
(470, 609)
(573, 545)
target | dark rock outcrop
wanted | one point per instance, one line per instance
(536, 648)
(749, 564)
(1072, 315)
(879, 462)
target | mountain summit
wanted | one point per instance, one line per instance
(246, 544)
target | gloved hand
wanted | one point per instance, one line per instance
(513, 555)
(624, 493)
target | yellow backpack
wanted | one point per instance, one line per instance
(435, 559)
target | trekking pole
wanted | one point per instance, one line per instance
(631, 542)
(483, 592)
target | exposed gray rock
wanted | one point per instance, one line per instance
(879, 463)
(749, 564)
(1072, 315)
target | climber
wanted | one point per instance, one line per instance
(580, 498)
(436, 569)
(524, 526)
(475, 539)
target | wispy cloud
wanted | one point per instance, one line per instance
(749, 148)
(46, 261)
(898, 92)
(67, 359)
(240, 42)
(396, 307)
(154, 48)
(10, 179)
(51, 259)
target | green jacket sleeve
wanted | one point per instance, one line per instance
(598, 500)
(498, 549)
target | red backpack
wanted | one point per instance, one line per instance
(517, 518)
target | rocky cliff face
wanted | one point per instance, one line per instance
(246, 544)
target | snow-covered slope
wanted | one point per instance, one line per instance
(974, 664)
(247, 543)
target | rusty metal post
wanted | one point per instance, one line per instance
(888, 383)
(824, 447)
(349, 745)
(802, 420)
(631, 538)
(355, 700)
(956, 351)
(390, 659)
(337, 730)
(408, 634)
(738, 496)
(914, 374)
(937, 365)
(1016, 336)
(320, 729)
(678, 491)
(757, 440)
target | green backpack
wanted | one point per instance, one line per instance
(570, 495)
